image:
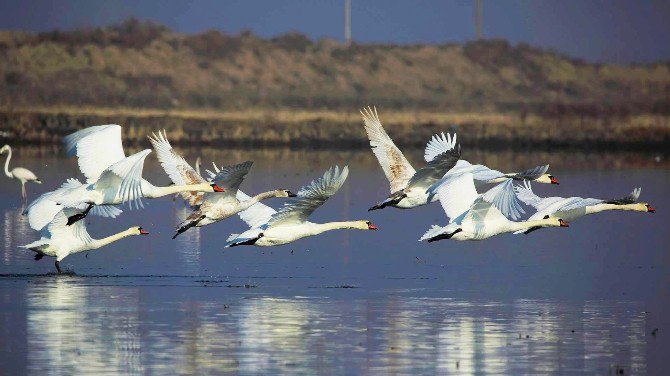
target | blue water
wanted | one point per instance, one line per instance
(585, 299)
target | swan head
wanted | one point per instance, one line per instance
(137, 230)
(646, 207)
(285, 193)
(368, 225)
(555, 222)
(4, 149)
(216, 188)
(547, 179)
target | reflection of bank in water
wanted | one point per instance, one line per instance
(72, 330)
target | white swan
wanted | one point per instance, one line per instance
(408, 186)
(112, 178)
(477, 217)
(270, 227)
(571, 208)
(21, 174)
(208, 207)
(60, 240)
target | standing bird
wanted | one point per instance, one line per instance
(22, 174)
(270, 227)
(571, 208)
(60, 240)
(208, 207)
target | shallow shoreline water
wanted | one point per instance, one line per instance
(592, 299)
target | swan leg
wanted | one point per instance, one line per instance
(77, 217)
(248, 242)
(24, 195)
(58, 267)
(394, 199)
(187, 226)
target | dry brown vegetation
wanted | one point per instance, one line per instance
(292, 90)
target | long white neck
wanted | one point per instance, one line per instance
(523, 225)
(9, 156)
(597, 208)
(319, 228)
(246, 204)
(151, 191)
(98, 243)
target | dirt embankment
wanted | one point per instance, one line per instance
(332, 129)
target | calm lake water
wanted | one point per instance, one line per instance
(593, 298)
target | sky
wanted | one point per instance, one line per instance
(618, 31)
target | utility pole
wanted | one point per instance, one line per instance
(347, 22)
(478, 18)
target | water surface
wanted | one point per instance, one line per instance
(580, 300)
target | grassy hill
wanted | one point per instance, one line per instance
(140, 65)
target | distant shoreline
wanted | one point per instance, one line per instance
(338, 129)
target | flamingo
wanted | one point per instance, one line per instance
(21, 174)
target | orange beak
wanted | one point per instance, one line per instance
(563, 223)
(217, 188)
(650, 209)
(372, 227)
(144, 232)
(554, 181)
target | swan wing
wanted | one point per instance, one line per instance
(630, 199)
(504, 198)
(526, 195)
(456, 194)
(481, 214)
(42, 211)
(257, 214)
(310, 197)
(439, 144)
(124, 179)
(436, 168)
(58, 228)
(107, 211)
(96, 148)
(531, 174)
(397, 169)
(175, 166)
(230, 177)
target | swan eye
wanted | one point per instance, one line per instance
(546, 217)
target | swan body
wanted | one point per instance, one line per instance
(208, 207)
(411, 188)
(408, 186)
(60, 240)
(19, 173)
(478, 217)
(111, 177)
(571, 208)
(270, 227)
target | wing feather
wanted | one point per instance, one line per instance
(96, 148)
(397, 169)
(310, 197)
(124, 179)
(257, 214)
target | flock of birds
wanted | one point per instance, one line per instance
(112, 179)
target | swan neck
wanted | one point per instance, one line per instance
(152, 191)
(323, 227)
(597, 208)
(523, 225)
(246, 204)
(98, 243)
